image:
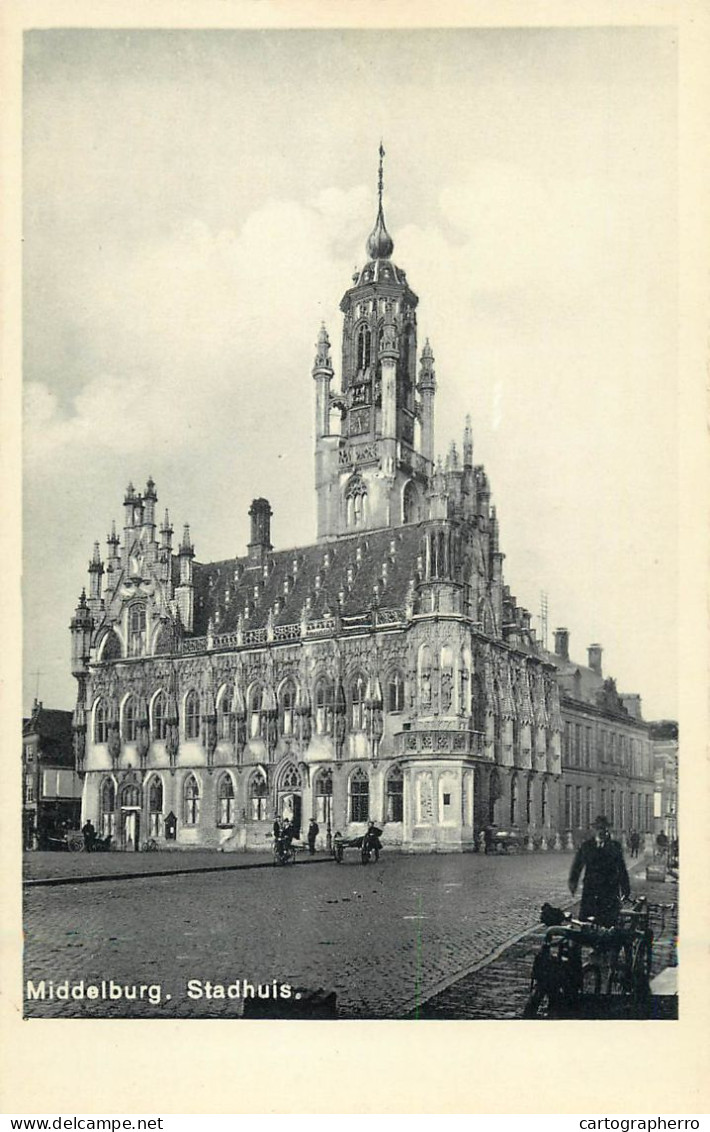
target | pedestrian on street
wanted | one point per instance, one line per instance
(606, 880)
(312, 834)
(276, 829)
(371, 840)
(488, 835)
(634, 842)
(89, 836)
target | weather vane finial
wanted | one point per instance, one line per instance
(380, 178)
(379, 242)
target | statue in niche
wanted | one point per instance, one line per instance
(425, 689)
(447, 687)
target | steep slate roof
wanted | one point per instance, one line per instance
(53, 729)
(583, 684)
(212, 580)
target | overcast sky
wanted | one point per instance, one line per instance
(195, 203)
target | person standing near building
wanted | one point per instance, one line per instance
(606, 880)
(89, 836)
(312, 834)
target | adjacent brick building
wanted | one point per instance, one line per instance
(51, 787)
(607, 761)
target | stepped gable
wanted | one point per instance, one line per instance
(238, 578)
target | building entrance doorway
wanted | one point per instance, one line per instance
(130, 830)
(290, 806)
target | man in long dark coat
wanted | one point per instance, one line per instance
(606, 880)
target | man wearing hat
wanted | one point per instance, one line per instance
(606, 880)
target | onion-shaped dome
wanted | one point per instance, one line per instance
(379, 243)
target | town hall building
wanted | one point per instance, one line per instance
(382, 673)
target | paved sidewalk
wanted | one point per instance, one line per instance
(40, 868)
(498, 987)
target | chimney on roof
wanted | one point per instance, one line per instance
(562, 643)
(595, 658)
(260, 544)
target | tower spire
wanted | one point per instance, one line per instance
(379, 242)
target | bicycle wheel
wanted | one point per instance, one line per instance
(591, 979)
(618, 977)
(537, 1001)
(641, 969)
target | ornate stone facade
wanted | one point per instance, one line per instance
(383, 673)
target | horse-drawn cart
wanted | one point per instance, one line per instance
(367, 846)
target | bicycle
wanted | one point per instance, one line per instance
(284, 852)
(579, 958)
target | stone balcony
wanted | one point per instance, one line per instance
(439, 741)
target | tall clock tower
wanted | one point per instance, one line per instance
(373, 467)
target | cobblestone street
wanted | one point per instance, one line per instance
(384, 938)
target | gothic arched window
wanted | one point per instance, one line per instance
(447, 680)
(191, 801)
(111, 647)
(425, 678)
(155, 806)
(364, 348)
(257, 797)
(359, 796)
(514, 800)
(287, 705)
(464, 680)
(130, 720)
(159, 728)
(324, 797)
(192, 715)
(136, 630)
(355, 502)
(101, 721)
(324, 706)
(395, 692)
(410, 504)
(357, 703)
(131, 795)
(395, 795)
(255, 714)
(478, 703)
(108, 807)
(494, 793)
(224, 715)
(359, 509)
(225, 800)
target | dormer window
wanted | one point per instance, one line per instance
(136, 630)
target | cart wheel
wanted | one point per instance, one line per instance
(76, 846)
